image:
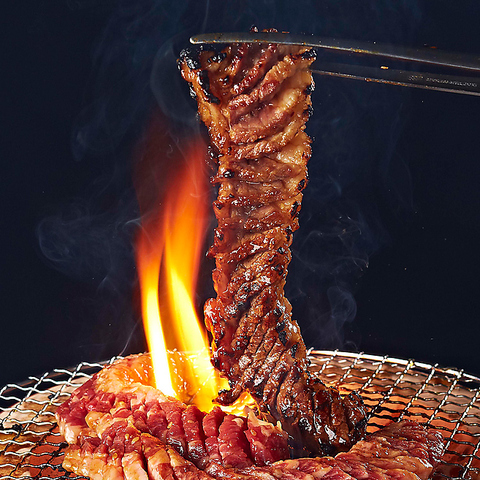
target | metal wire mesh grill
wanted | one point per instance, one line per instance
(446, 399)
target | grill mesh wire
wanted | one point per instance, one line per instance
(446, 399)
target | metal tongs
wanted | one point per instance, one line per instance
(469, 85)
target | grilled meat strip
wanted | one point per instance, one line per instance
(255, 101)
(120, 427)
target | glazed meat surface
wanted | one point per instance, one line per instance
(255, 101)
(120, 427)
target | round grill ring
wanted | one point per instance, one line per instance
(446, 399)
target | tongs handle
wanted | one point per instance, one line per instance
(403, 78)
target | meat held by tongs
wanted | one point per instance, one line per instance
(255, 101)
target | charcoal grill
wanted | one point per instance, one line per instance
(444, 398)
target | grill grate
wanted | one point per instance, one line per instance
(446, 399)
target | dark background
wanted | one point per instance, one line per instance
(390, 217)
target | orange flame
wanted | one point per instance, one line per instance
(169, 249)
(148, 264)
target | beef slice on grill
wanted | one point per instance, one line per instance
(128, 437)
(103, 417)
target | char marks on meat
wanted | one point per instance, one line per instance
(116, 426)
(255, 101)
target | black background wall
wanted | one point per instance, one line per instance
(387, 257)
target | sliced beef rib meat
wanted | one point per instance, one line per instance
(255, 101)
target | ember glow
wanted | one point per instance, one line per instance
(169, 249)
